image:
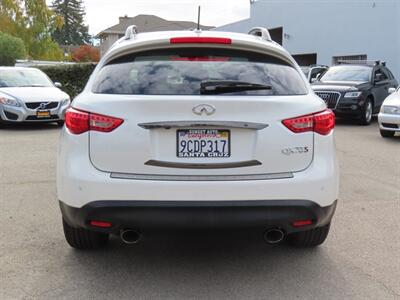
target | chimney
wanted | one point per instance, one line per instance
(124, 20)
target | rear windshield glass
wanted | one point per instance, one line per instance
(181, 71)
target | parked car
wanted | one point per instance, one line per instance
(355, 90)
(314, 71)
(389, 116)
(192, 129)
(28, 95)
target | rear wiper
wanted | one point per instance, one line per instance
(212, 87)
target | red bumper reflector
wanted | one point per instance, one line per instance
(101, 224)
(302, 223)
(200, 40)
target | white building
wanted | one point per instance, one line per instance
(324, 31)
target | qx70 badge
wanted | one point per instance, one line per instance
(204, 109)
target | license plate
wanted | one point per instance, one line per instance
(43, 114)
(198, 143)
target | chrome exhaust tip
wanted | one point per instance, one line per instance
(130, 236)
(274, 236)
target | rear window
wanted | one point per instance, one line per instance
(180, 72)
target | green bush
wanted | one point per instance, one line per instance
(72, 77)
(11, 48)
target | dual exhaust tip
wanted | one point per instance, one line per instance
(274, 235)
(271, 236)
(130, 236)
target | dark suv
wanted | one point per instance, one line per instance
(355, 90)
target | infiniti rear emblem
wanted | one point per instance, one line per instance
(204, 108)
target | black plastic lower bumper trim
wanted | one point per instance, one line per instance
(199, 214)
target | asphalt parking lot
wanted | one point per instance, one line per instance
(360, 259)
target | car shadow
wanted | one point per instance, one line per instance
(216, 264)
(354, 122)
(29, 126)
(347, 122)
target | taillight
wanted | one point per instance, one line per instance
(103, 123)
(78, 121)
(322, 123)
(200, 40)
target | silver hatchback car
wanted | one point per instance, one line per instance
(28, 95)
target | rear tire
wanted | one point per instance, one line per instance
(80, 238)
(366, 112)
(60, 123)
(309, 238)
(2, 122)
(387, 133)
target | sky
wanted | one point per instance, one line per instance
(101, 14)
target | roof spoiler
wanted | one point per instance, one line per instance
(261, 32)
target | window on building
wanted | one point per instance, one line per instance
(276, 34)
(348, 58)
(306, 59)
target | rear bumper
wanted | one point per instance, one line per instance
(80, 183)
(198, 214)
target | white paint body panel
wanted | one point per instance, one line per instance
(86, 161)
(79, 182)
(132, 145)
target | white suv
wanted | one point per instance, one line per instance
(197, 130)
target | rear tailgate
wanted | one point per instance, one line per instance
(130, 147)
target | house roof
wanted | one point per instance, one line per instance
(147, 23)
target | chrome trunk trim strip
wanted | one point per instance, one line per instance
(179, 165)
(201, 177)
(188, 124)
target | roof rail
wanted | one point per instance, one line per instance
(261, 32)
(361, 62)
(130, 32)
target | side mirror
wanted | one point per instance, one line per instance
(391, 90)
(58, 85)
(313, 80)
(378, 77)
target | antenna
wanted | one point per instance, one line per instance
(198, 18)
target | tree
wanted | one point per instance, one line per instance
(33, 22)
(86, 53)
(74, 31)
(11, 48)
